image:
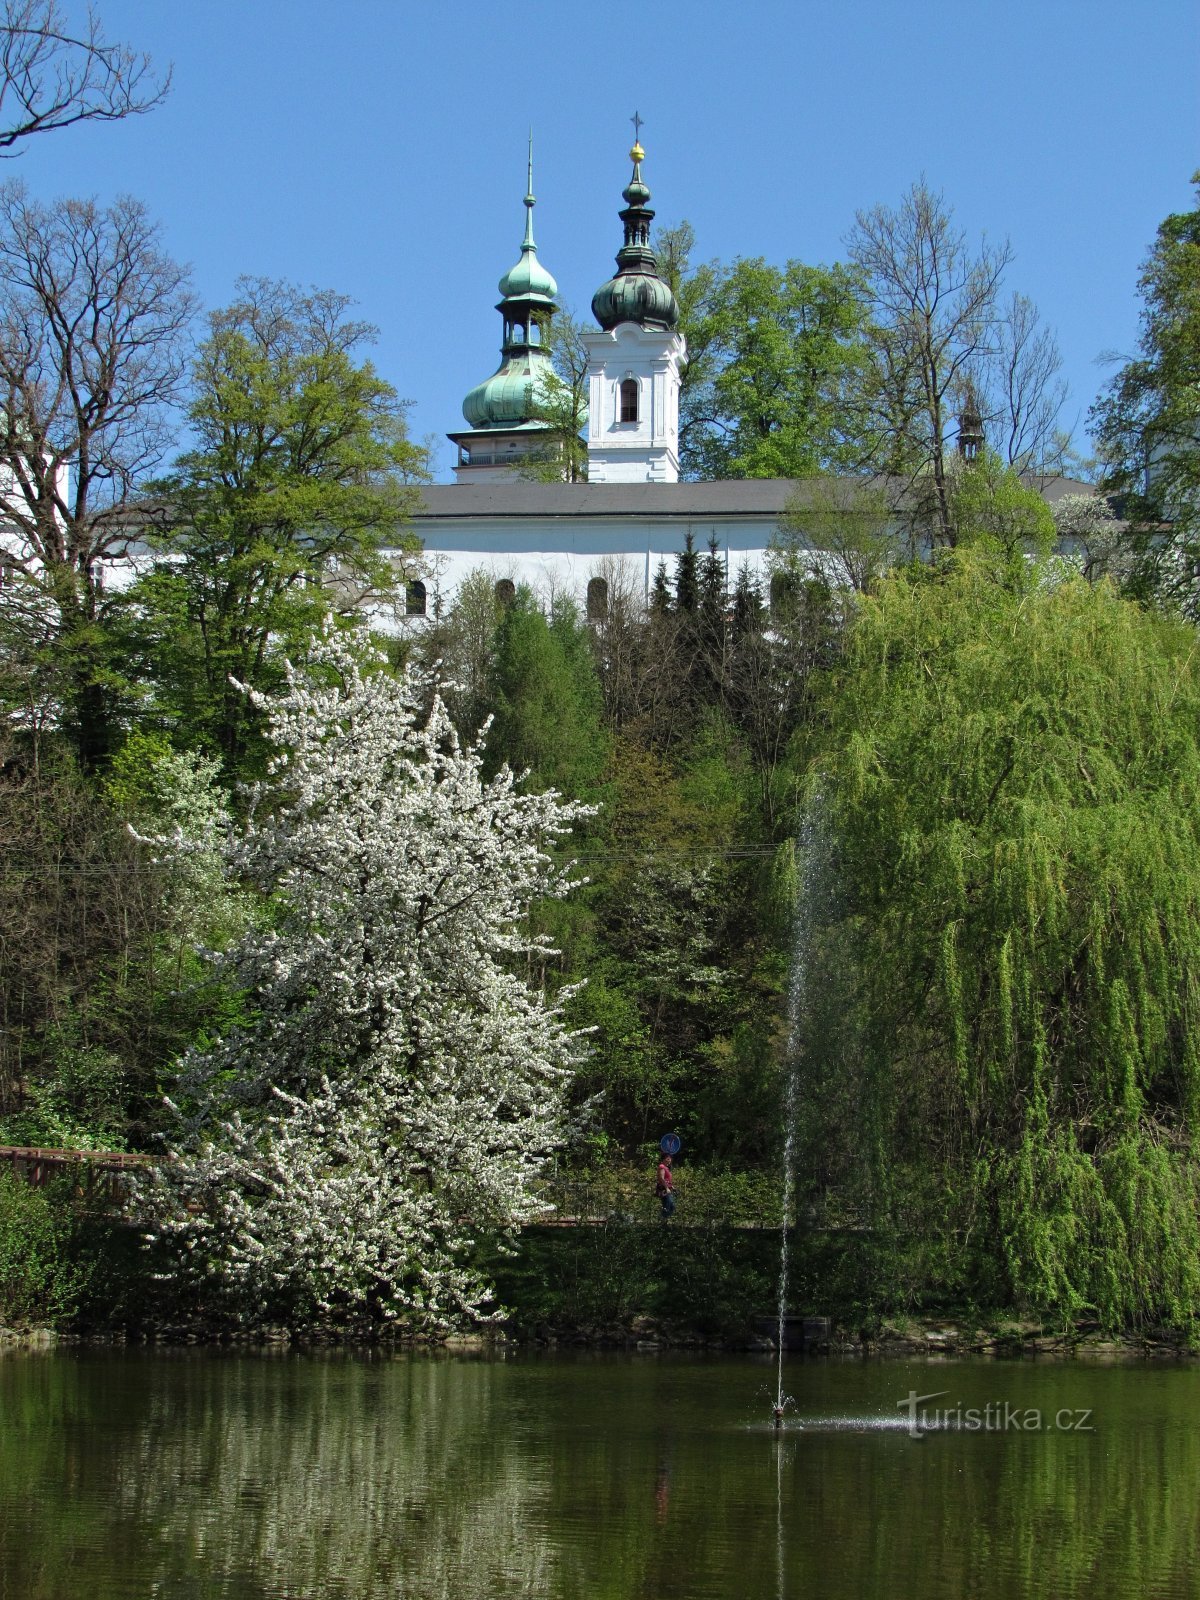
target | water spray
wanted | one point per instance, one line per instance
(809, 868)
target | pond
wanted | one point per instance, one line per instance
(208, 1474)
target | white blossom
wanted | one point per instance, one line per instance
(397, 1084)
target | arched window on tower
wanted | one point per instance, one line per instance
(629, 400)
(597, 599)
(414, 599)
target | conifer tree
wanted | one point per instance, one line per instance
(660, 594)
(712, 623)
(687, 576)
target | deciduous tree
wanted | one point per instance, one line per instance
(934, 321)
(1148, 423)
(298, 480)
(397, 1086)
(92, 319)
(562, 404)
(772, 355)
(1009, 778)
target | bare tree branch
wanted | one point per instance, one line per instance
(1023, 392)
(53, 75)
(935, 323)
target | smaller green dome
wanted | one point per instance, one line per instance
(510, 396)
(529, 280)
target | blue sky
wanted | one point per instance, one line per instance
(377, 147)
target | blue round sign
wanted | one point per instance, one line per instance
(669, 1144)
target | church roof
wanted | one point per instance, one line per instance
(765, 497)
(727, 497)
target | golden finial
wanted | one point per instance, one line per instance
(637, 153)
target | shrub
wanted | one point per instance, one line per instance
(41, 1280)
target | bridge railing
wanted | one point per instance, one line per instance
(92, 1170)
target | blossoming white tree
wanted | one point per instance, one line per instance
(397, 1084)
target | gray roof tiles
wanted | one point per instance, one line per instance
(728, 497)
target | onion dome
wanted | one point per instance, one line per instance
(508, 398)
(637, 293)
(529, 280)
(511, 396)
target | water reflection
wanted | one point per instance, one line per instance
(209, 1475)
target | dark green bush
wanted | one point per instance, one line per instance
(42, 1276)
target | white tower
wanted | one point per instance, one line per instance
(634, 362)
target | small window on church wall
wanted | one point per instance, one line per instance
(629, 400)
(506, 592)
(597, 599)
(414, 599)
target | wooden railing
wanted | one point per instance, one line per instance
(91, 1168)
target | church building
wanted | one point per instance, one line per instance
(633, 512)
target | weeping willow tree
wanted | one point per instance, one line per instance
(1004, 1078)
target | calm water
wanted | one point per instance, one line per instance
(210, 1475)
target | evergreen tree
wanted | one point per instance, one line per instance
(660, 594)
(712, 627)
(547, 699)
(687, 577)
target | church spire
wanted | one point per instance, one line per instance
(508, 402)
(637, 293)
(634, 363)
(527, 243)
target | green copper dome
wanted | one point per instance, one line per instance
(637, 293)
(529, 280)
(509, 397)
(635, 297)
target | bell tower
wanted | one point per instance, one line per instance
(634, 360)
(506, 427)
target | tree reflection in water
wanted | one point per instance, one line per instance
(242, 1478)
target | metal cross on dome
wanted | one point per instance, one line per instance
(637, 128)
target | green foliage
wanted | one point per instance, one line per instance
(989, 502)
(41, 1279)
(561, 403)
(849, 520)
(1148, 423)
(771, 354)
(78, 1098)
(709, 1279)
(1011, 773)
(682, 968)
(280, 510)
(547, 699)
